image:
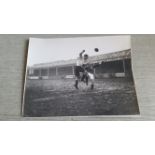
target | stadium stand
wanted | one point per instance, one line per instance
(117, 64)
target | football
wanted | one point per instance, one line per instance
(96, 49)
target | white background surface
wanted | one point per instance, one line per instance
(103, 17)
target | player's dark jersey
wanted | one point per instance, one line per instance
(88, 67)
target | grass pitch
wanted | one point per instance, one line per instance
(59, 98)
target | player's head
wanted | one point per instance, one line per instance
(96, 49)
(86, 56)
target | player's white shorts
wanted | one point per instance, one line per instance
(91, 76)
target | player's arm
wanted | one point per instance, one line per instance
(81, 53)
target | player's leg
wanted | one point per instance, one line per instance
(76, 84)
(92, 79)
(83, 74)
(77, 75)
(86, 78)
(77, 71)
(83, 77)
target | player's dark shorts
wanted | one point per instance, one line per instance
(77, 71)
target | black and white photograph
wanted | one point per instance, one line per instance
(80, 77)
